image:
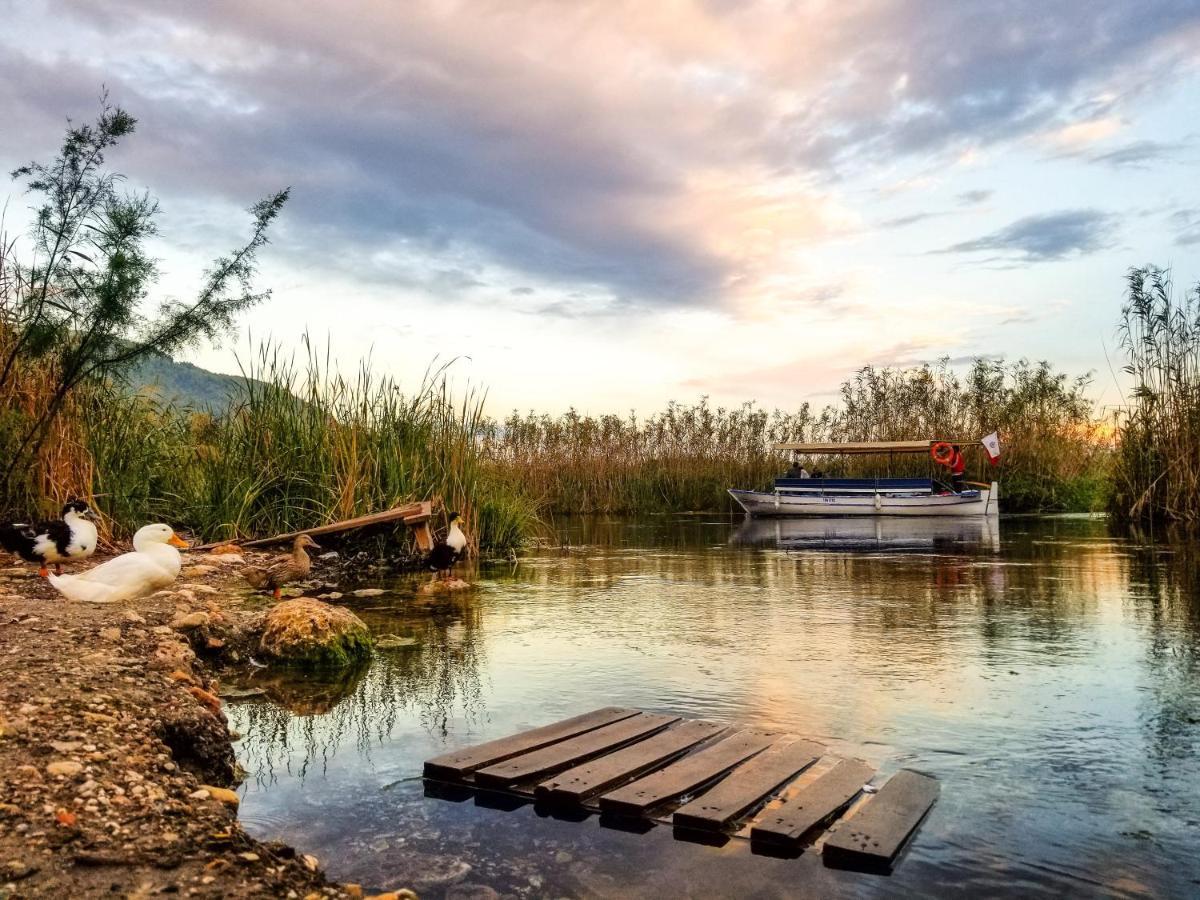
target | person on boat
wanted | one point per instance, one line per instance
(958, 470)
(797, 470)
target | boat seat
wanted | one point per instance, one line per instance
(855, 484)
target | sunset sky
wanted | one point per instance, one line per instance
(611, 205)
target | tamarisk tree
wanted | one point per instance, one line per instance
(79, 308)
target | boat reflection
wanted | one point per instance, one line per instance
(894, 534)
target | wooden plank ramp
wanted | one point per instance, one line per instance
(819, 801)
(565, 754)
(585, 781)
(874, 836)
(688, 774)
(458, 763)
(748, 786)
(704, 777)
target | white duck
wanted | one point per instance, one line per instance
(154, 564)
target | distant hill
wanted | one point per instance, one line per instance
(183, 384)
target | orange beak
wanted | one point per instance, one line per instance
(176, 541)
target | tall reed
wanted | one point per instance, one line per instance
(683, 458)
(686, 457)
(299, 446)
(1157, 471)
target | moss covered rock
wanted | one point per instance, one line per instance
(307, 632)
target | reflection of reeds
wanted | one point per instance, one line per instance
(436, 680)
(1157, 472)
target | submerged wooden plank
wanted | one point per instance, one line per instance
(827, 795)
(458, 763)
(577, 784)
(875, 835)
(747, 786)
(570, 752)
(687, 774)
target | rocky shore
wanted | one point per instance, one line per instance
(117, 770)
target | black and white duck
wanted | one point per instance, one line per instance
(449, 550)
(73, 537)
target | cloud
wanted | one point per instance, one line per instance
(913, 219)
(646, 155)
(1137, 154)
(974, 198)
(1043, 238)
(1186, 223)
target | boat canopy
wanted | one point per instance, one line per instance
(861, 447)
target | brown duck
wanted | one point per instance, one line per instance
(287, 570)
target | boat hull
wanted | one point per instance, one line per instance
(984, 502)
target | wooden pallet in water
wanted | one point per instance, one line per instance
(708, 780)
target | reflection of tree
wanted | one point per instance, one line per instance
(310, 714)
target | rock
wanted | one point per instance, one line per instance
(248, 857)
(190, 621)
(310, 862)
(198, 571)
(110, 634)
(224, 795)
(66, 767)
(447, 586)
(332, 595)
(133, 618)
(199, 588)
(169, 655)
(332, 554)
(225, 550)
(198, 741)
(185, 596)
(392, 642)
(201, 794)
(472, 892)
(311, 633)
(66, 746)
(404, 894)
(369, 592)
(354, 891)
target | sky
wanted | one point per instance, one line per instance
(611, 205)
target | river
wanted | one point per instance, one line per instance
(1046, 671)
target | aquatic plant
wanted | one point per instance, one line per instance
(1157, 469)
(302, 445)
(684, 458)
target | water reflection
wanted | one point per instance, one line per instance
(935, 534)
(1050, 682)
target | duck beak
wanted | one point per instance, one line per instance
(176, 541)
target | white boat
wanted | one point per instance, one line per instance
(868, 496)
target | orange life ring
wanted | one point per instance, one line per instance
(942, 453)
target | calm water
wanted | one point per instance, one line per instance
(1047, 672)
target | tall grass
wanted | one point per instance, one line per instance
(683, 458)
(686, 457)
(1157, 471)
(1056, 455)
(302, 445)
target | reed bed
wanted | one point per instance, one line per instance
(685, 458)
(302, 445)
(1157, 468)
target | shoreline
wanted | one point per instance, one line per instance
(117, 767)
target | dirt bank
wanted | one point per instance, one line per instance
(116, 762)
